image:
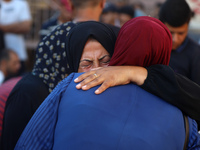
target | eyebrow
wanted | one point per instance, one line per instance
(86, 60)
(103, 57)
(91, 60)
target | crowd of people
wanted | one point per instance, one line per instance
(145, 69)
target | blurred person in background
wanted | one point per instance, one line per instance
(185, 55)
(5, 90)
(2, 43)
(125, 14)
(9, 64)
(64, 15)
(110, 14)
(15, 21)
(156, 10)
(139, 9)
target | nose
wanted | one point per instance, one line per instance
(174, 37)
(96, 64)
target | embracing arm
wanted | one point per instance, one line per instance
(174, 88)
(161, 81)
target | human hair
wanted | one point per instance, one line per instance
(126, 10)
(5, 54)
(175, 12)
(85, 3)
(109, 7)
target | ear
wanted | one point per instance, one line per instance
(103, 2)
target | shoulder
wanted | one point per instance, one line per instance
(60, 32)
(193, 45)
(30, 84)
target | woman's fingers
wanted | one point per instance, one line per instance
(87, 79)
(93, 83)
(105, 85)
(83, 76)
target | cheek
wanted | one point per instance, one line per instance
(103, 65)
(83, 69)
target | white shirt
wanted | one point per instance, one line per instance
(2, 77)
(12, 12)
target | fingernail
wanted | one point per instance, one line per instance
(76, 80)
(84, 86)
(97, 91)
(78, 86)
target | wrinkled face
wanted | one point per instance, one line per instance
(94, 55)
(178, 34)
(13, 65)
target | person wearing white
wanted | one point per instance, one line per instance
(2, 77)
(15, 20)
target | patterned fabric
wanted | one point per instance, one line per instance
(5, 90)
(51, 64)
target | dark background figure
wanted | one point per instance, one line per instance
(125, 13)
(110, 14)
(15, 22)
(63, 15)
(2, 42)
(9, 65)
(139, 8)
(185, 56)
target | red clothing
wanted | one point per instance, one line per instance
(5, 90)
(142, 41)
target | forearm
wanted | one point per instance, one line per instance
(137, 74)
(17, 28)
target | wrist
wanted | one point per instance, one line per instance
(138, 75)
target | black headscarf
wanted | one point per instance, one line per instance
(79, 35)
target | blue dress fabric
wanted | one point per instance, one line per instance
(123, 117)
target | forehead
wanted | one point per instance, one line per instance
(182, 28)
(13, 56)
(93, 49)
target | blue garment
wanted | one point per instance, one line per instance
(123, 117)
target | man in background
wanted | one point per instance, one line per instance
(110, 14)
(15, 21)
(185, 56)
(126, 13)
(63, 15)
(9, 64)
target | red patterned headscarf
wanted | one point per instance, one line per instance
(142, 41)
